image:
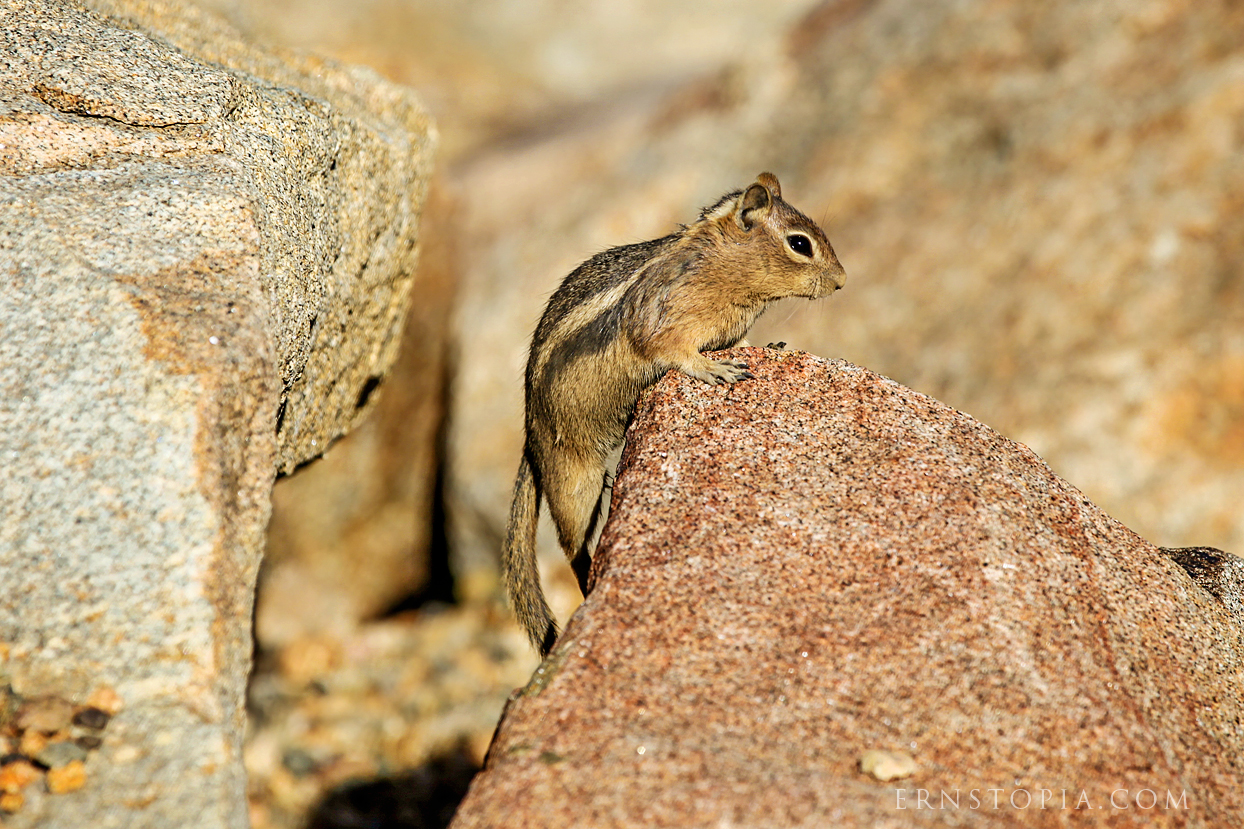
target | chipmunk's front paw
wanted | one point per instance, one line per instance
(724, 371)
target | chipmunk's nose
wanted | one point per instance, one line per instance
(836, 275)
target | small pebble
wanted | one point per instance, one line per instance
(11, 801)
(126, 754)
(61, 753)
(17, 775)
(92, 717)
(67, 778)
(298, 762)
(32, 743)
(106, 700)
(89, 742)
(887, 765)
(47, 714)
(307, 659)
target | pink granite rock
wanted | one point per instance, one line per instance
(820, 563)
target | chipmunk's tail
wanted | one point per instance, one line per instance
(518, 561)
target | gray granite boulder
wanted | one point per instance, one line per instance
(206, 255)
(356, 533)
(824, 599)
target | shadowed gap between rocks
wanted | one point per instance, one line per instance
(440, 586)
(422, 798)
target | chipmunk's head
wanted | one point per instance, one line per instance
(784, 250)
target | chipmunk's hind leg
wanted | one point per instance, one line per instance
(582, 562)
(582, 566)
(574, 495)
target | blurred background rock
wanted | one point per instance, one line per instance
(1039, 207)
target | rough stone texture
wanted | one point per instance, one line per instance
(819, 563)
(1220, 573)
(205, 253)
(350, 535)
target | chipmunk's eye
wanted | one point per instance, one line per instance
(800, 244)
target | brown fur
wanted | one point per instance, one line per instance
(615, 325)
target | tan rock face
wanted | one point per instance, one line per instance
(350, 534)
(205, 254)
(1039, 212)
(820, 563)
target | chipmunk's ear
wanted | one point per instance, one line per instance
(757, 200)
(770, 183)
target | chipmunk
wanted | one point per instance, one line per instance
(614, 326)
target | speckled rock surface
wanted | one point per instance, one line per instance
(350, 534)
(205, 253)
(1219, 572)
(821, 563)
